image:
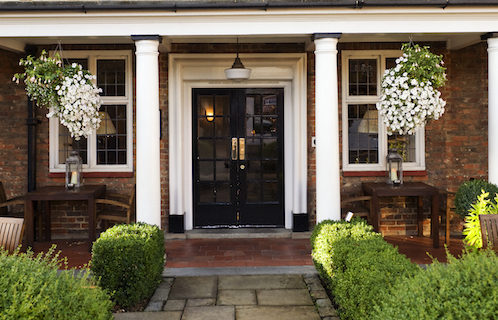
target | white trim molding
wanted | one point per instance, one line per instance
(188, 71)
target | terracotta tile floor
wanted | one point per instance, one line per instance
(250, 252)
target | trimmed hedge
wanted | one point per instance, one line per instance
(32, 288)
(465, 288)
(357, 265)
(129, 261)
(468, 192)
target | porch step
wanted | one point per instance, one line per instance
(242, 233)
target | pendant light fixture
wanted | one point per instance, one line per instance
(237, 72)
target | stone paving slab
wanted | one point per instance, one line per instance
(277, 313)
(194, 288)
(209, 313)
(169, 315)
(236, 297)
(284, 297)
(292, 281)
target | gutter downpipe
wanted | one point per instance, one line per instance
(32, 122)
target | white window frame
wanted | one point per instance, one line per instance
(380, 56)
(127, 99)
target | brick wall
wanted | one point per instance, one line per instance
(13, 127)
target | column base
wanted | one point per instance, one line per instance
(300, 222)
(176, 223)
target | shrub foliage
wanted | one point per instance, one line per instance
(464, 288)
(129, 261)
(32, 288)
(469, 191)
(357, 265)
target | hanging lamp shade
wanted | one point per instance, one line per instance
(237, 72)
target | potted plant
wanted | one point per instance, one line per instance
(67, 90)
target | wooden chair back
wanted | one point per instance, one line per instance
(360, 206)
(11, 232)
(489, 230)
(120, 211)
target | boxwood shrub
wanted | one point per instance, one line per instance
(468, 192)
(465, 288)
(357, 264)
(129, 261)
(33, 288)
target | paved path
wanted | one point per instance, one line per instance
(233, 295)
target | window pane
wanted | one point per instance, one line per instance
(111, 77)
(112, 135)
(68, 144)
(362, 77)
(363, 133)
(405, 145)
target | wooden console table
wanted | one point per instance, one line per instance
(86, 193)
(407, 189)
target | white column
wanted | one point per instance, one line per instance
(493, 109)
(328, 188)
(148, 166)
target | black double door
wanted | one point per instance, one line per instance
(238, 157)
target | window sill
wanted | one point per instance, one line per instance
(421, 173)
(96, 175)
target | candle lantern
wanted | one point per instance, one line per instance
(394, 167)
(73, 171)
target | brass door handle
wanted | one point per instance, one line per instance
(234, 148)
(242, 148)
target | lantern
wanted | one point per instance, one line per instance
(394, 168)
(73, 171)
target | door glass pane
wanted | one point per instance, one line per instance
(222, 148)
(222, 192)
(254, 191)
(206, 170)
(223, 170)
(270, 191)
(205, 149)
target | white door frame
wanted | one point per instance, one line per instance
(188, 71)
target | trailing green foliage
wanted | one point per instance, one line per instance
(357, 265)
(32, 288)
(469, 191)
(129, 261)
(472, 230)
(465, 288)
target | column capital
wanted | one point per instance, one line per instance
(146, 37)
(317, 36)
(489, 35)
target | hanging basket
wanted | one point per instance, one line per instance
(409, 90)
(67, 90)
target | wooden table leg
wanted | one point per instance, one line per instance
(420, 215)
(47, 222)
(375, 213)
(30, 224)
(91, 222)
(435, 220)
